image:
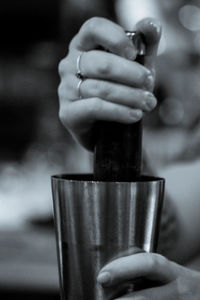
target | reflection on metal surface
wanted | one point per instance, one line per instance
(96, 221)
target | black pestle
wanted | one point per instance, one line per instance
(118, 148)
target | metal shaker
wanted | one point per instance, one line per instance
(97, 221)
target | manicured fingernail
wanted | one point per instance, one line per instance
(149, 82)
(130, 53)
(150, 101)
(104, 278)
(156, 26)
(135, 114)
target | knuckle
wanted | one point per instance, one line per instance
(155, 260)
(66, 88)
(65, 66)
(64, 117)
(90, 87)
(93, 23)
(73, 42)
(62, 94)
(60, 91)
(103, 68)
(105, 90)
(160, 260)
(61, 67)
(150, 260)
(101, 89)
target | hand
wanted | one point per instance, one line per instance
(173, 281)
(115, 88)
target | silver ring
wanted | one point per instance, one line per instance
(79, 74)
(79, 88)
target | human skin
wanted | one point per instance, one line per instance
(174, 282)
(116, 87)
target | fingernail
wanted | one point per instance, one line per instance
(104, 278)
(156, 26)
(130, 53)
(150, 101)
(135, 114)
(149, 82)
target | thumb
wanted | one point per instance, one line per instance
(142, 265)
(151, 30)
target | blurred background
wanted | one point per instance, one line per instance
(34, 145)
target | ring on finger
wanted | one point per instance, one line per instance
(79, 88)
(79, 74)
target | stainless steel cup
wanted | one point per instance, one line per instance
(97, 221)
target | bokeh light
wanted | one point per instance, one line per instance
(189, 16)
(171, 111)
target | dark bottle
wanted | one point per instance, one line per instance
(118, 149)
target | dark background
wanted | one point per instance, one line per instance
(33, 144)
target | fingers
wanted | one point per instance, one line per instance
(79, 117)
(151, 266)
(108, 66)
(102, 32)
(87, 111)
(105, 66)
(151, 29)
(119, 94)
(111, 78)
(116, 86)
(165, 292)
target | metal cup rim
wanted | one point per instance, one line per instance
(88, 177)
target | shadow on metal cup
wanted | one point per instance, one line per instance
(97, 221)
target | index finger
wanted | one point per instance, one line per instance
(100, 32)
